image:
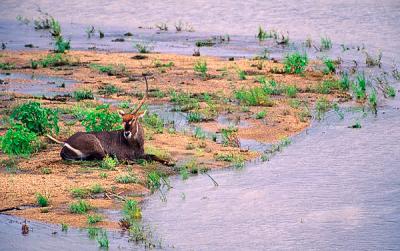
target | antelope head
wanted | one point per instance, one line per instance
(132, 127)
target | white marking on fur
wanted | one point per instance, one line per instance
(137, 130)
(76, 151)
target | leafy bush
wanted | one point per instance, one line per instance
(42, 200)
(295, 63)
(254, 96)
(36, 118)
(109, 163)
(201, 68)
(62, 45)
(79, 207)
(83, 94)
(330, 66)
(101, 119)
(19, 141)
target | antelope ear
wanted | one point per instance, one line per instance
(121, 113)
(141, 114)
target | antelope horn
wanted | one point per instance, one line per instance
(144, 98)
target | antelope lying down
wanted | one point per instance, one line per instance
(125, 144)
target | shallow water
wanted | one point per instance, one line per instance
(335, 188)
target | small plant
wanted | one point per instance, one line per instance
(326, 44)
(194, 117)
(327, 87)
(19, 141)
(142, 48)
(242, 74)
(109, 89)
(183, 171)
(295, 63)
(359, 88)
(205, 43)
(62, 45)
(390, 91)
(42, 200)
(93, 232)
(153, 122)
(79, 207)
(101, 119)
(229, 137)
(102, 239)
(83, 94)
(154, 180)
(253, 97)
(6, 66)
(201, 68)
(344, 82)
(322, 106)
(94, 218)
(109, 163)
(64, 227)
(103, 175)
(131, 210)
(199, 133)
(236, 159)
(370, 61)
(373, 102)
(36, 118)
(97, 188)
(261, 114)
(329, 66)
(46, 170)
(54, 60)
(291, 91)
(262, 34)
(80, 192)
(126, 179)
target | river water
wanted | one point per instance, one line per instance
(333, 188)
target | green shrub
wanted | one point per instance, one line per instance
(194, 117)
(109, 163)
(109, 89)
(295, 63)
(201, 68)
(62, 45)
(6, 66)
(261, 114)
(83, 94)
(94, 218)
(42, 200)
(79, 207)
(253, 96)
(101, 119)
(96, 188)
(330, 66)
(291, 91)
(19, 141)
(131, 210)
(126, 179)
(36, 118)
(54, 60)
(152, 121)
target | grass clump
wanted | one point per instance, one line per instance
(327, 86)
(230, 136)
(46, 170)
(7, 66)
(326, 44)
(42, 200)
(64, 227)
(97, 188)
(370, 61)
(373, 102)
(322, 106)
(253, 97)
(359, 88)
(79, 207)
(101, 119)
(80, 192)
(390, 91)
(205, 43)
(102, 239)
(184, 101)
(201, 68)
(83, 94)
(36, 118)
(154, 180)
(295, 63)
(330, 66)
(108, 89)
(131, 210)
(19, 141)
(261, 34)
(142, 48)
(153, 122)
(109, 163)
(261, 114)
(127, 178)
(236, 159)
(53, 60)
(344, 81)
(160, 153)
(291, 91)
(94, 218)
(242, 74)
(194, 117)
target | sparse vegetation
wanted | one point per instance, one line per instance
(42, 200)
(94, 218)
(261, 114)
(108, 163)
(102, 239)
(326, 44)
(201, 68)
(322, 106)
(329, 66)
(83, 94)
(253, 97)
(108, 89)
(143, 48)
(127, 178)
(79, 207)
(370, 61)
(291, 91)
(359, 88)
(295, 63)
(7, 66)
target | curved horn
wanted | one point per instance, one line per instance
(143, 99)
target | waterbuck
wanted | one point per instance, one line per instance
(124, 144)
